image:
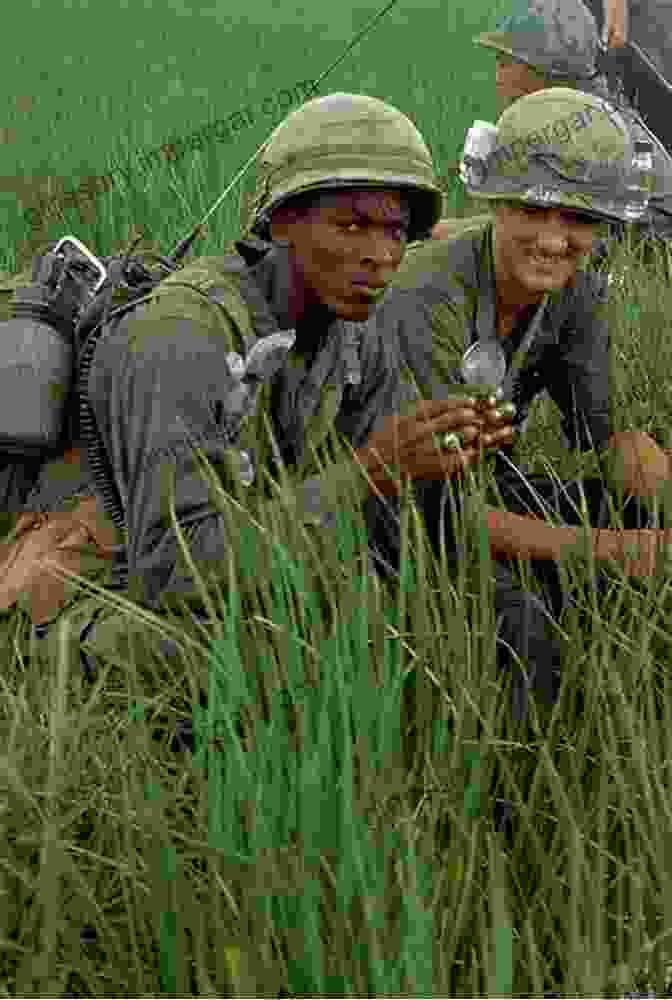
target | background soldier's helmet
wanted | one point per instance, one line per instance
(340, 141)
(560, 147)
(557, 39)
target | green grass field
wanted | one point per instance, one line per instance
(331, 833)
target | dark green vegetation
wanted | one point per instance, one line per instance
(331, 833)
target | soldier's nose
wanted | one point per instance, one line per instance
(553, 244)
(382, 255)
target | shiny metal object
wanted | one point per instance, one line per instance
(484, 364)
(66, 242)
(479, 142)
(452, 441)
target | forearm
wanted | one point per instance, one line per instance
(636, 465)
(517, 536)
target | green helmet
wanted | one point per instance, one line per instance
(558, 147)
(558, 39)
(340, 141)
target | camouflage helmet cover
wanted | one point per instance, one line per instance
(558, 39)
(560, 147)
(341, 141)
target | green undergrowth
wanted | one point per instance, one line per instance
(330, 831)
(328, 828)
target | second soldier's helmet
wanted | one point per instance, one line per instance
(341, 141)
(560, 147)
(557, 39)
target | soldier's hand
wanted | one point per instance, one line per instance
(415, 446)
(497, 417)
(23, 561)
(639, 551)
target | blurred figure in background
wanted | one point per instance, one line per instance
(556, 43)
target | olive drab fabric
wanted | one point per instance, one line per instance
(339, 392)
(561, 147)
(206, 287)
(52, 515)
(443, 298)
(344, 140)
(63, 523)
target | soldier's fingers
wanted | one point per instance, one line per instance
(462, 436)
(435, 409)
(496, 438)
(460, 419)
(498, 414)
(465, 458)
(418, 433)
(452, 463)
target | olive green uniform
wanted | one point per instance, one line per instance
(158, 385)
(167, 376)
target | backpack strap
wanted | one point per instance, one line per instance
(261, 320)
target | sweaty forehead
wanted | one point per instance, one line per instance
(380, 204)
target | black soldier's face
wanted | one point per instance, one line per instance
(346, 248)
(538, 250)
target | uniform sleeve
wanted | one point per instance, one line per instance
(580, 379)
(429, 331)
(156, 389)
(17, 478)
(384, 390)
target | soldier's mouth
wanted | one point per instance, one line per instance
(545, 263)
(369, 291)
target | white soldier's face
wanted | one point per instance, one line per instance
(346, 248)
(538, 250)
(514, 79)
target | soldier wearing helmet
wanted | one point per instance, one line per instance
(261, 361)
(510, 305)
(555, 43)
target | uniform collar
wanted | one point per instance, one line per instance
(486, 325)
(485, 285)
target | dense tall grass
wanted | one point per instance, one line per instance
(181, 72)
(328, 828)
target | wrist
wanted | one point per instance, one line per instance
(614, 546)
